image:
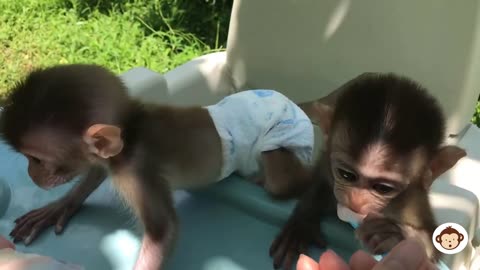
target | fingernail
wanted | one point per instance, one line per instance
(331, 251)
(306, 263)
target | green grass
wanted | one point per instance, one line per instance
(118, 34)
(476, 115)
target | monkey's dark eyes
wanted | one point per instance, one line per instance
(382, 188)
(350, 177)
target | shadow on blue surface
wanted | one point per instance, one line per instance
(229, 225)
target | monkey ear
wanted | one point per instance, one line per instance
(324, 115)
(104, 141)
(444, 160)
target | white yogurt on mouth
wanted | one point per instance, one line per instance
(347, 215)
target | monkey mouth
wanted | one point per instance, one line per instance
(348, 215)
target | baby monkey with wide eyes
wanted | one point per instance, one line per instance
(79, 118)
(383, 149)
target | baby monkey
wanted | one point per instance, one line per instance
(383, 149)
(78, 119)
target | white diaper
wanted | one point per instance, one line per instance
(254, 121)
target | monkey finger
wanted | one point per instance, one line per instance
(27, 224)
(274, 245)
(33, 234)
(37, 215)
(386, 245)
(377, 226)
(27, 215)
(302, 249)
(19, 235)
(20, 227)
(378, 223)
(382, 242)
(372, 242)
(281, 251)
(23, 232)
(278, 240)
(17, 239)
(62, 221)
(290, 256)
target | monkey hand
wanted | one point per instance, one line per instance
(379, 234)
(294, 240)
(57, 213)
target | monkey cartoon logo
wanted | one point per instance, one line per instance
(450, 238)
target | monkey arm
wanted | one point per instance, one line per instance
(88, 184)
(152, 201)
(57, 213)
(303, 226)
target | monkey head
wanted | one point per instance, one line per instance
(64, 119)
(383, 133)
(449, 238)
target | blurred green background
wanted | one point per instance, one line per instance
(118, 34)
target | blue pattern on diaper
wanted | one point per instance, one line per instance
(286, 122)
(263, 93)
(269, 116)
(232, 145)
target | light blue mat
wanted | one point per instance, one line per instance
(229, 225)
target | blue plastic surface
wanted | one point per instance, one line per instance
(229, 225)
(4, 196)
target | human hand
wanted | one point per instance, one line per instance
(4, 243)
(407, 255)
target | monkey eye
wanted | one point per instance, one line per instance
(349, 176)
(34, 159)
(383, 189)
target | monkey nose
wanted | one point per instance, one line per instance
(356, 206)
(353, 208)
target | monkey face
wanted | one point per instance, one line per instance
(450, 241)
(53, 159)
(367, 184)
(449, 238)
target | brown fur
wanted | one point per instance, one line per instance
(384, 137)
(75, 118)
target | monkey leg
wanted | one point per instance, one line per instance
(284, 174)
